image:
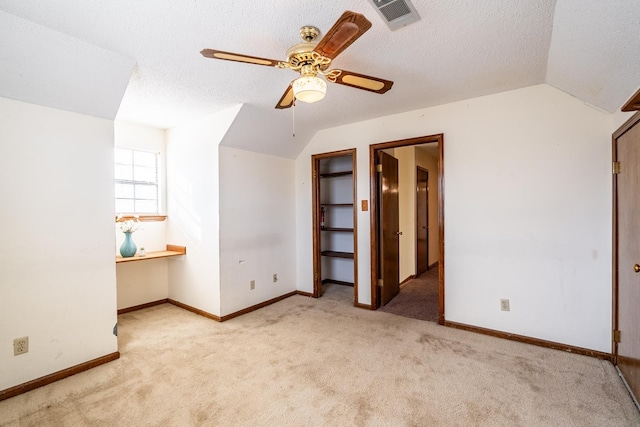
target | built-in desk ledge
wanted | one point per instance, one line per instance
(172, 250)
(141, 218)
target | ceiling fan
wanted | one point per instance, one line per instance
(311, 58)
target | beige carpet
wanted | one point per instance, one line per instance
(307, 362)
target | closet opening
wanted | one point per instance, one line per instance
(334, 222)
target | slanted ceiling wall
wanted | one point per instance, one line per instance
(57, 269)
(527, 210)
(44, 67)
(193, 208)
(235, 212)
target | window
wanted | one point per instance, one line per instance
(136, 175)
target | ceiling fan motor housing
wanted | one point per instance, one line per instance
(300, 54)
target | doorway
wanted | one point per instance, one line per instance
(626, 254)
(381, 259)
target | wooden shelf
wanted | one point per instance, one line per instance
(336, 282)
(141, 218)
(346, 230)
(336, 204)
(335, 174)
(172, 250)
(335, 254)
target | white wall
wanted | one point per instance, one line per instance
(193, 209)
(142, 282)
(57, 269)
(257, 228)
(527, 210)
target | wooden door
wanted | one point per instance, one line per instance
(389, 227)
(627, 149)
(422, 221)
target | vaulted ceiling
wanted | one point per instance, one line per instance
(458, 50)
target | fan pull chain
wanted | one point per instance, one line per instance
(293, 112)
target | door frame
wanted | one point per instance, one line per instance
(315, 212)
(373, 188)
(419, 168)
(633, 120)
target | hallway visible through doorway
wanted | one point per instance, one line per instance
(418, 298)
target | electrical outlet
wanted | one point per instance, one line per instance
(275, 277)
(20, 346)
(252, 285)
(504, 305)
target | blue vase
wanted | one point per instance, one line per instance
(128, 248)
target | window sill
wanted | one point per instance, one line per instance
(141, 218)
(172, 250)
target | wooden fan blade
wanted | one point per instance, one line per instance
(633, 103)
(237, 57)
(345, 31)
(287, 98)
(360, 81)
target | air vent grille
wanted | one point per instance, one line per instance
(395, 10)
(396, 13)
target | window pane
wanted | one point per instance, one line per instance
(136, 181)
(146, 206)
(124, 191)
(124, 172)
(124, 206)
(144, 159)
(145, 174)
(124, 156)
(149, 192)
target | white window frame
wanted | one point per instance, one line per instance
(134, 181)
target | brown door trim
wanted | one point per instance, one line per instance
(373, 183)
(633, 120)
(315, 213)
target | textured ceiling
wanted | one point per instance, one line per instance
(460, 49)
(595, 53)
(45, 67)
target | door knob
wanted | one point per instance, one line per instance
(399, 233)
(636, 268)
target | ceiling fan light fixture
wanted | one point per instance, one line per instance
(309, 88)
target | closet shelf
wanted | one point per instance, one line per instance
(336, 254)
(346, 230)
(335, 174)
(336, 204)
(336, 282)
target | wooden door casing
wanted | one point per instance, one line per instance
(374, 230)
(627, 252)
(422, 221)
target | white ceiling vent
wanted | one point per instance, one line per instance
(396, 13)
